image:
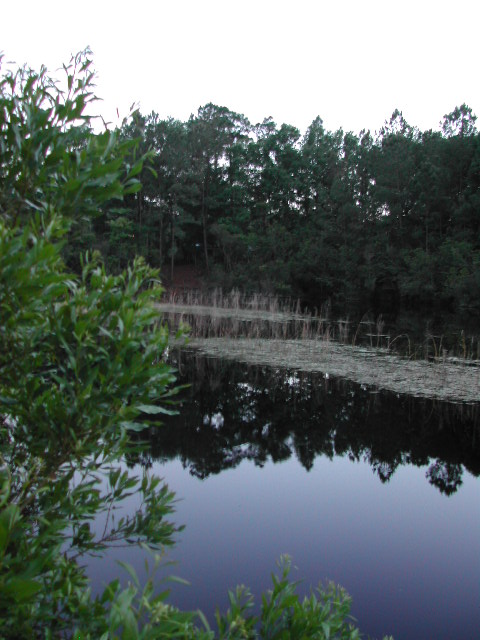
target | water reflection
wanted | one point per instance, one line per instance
(234, 412)
(307, 465)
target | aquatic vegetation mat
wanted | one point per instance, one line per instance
(380, 369)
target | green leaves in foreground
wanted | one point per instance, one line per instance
(284, 615)
(82, 359)
(80, 355)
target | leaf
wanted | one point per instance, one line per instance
(134, 187)
(203, 619)
(9, 517)
(177, 580)
(153, 409)
(136, 169)
(130, 570)
(134, 426)
(3, 537)
(22, 589)
(7, 401)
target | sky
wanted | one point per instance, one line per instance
(350, 62)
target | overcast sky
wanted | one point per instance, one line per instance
(352, 62)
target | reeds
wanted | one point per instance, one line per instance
(216, 314)
(235, 299)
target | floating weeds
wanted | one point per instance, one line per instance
(379, 369)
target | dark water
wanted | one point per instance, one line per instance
(378, 493)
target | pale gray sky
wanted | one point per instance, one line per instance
(350, 61)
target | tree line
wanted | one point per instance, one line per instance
(326, 215)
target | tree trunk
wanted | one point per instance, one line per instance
(172, 245)
(160, 243)
(204, 224)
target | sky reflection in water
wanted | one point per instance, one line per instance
(407, 553)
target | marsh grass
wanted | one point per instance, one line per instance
(264, 330)
(215, 314)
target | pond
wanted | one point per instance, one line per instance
(376, 491)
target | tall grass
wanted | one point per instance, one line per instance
(235, 299)
(235, 314)
(215, 314)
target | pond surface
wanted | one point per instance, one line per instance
(378, 493)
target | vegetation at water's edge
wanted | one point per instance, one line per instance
(260, 330)
(81, 369)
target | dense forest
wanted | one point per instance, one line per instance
(327, 215)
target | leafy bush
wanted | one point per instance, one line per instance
(81, 360)
(81, 367)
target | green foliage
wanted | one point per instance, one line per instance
(50, 160)
(284, 615)
(81, 368)
(339, 210)
(81, 363)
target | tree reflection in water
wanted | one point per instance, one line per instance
(232, 412)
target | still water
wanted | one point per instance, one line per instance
(378, 493)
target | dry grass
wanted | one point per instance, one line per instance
(275, 323)
(215, 314)
(234, 299)
(265, 330)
